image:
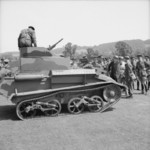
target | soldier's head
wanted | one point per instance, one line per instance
(121, 59)
(31, 28)
(127, 58)
(6, 61)
(115, 58)
(140, 57)
(147, 58)
(133, 59)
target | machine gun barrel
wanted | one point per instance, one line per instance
(51, 47)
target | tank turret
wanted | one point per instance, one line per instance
(37, 59)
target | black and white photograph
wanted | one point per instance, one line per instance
(74, 74)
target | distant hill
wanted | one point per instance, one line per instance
(10, 55)
(147, 41)
(105, 49)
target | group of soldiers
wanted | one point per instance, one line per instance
(131, 71)
(134, 72)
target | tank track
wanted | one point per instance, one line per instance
(96, 100)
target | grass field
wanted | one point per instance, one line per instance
(126, 126)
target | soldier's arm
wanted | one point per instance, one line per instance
(34, 39)
(19, 40)
(109, 66)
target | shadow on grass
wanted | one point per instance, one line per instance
(137, 93)
(8, 112)
(109, 109)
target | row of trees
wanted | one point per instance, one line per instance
(122, 49)
(70, 51)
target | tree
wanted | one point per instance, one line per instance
(90, 53)
(123, 49)
(70, 50)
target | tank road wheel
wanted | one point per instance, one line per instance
(96, 104)
(52, 108)
(75, 106)
(112, 93)
(25, 110)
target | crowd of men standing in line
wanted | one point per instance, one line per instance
(130, 71)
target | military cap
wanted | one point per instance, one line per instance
(100, 56)
(84, 56)
(116, 57)
(120, 57)
(139, 55)
(146, 56)
(6, 60)
(127, 57)
(31, 27)
(132, 57)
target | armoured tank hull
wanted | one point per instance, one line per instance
(43, 92)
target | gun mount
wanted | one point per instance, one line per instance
(54, 45)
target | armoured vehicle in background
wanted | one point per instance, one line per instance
(45, 83)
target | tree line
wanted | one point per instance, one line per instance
(122, 48)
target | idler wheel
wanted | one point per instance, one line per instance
(52, 108)
(96, 104)
(75, 105)
(25, 110)
(112, 93)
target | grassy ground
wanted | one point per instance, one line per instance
(126, 126)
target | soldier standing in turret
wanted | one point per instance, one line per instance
(27, 38)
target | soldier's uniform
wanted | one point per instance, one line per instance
(142, 75)
(133, 62)
(27, 38)
(147, 65)
(114, 69)
(128, 78)
(122, 69)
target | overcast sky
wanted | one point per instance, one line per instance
(80, 22)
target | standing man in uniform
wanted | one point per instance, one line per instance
(134, 62)
(128, 78)
(114, 69)
(147, 66)
(122, 69)
(27, 38)
(141, 73)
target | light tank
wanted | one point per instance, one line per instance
(45, 83)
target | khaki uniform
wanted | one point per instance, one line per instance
(114, 70)
(142, 75)
(122, 70)
(128, 79)
(27, 38)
